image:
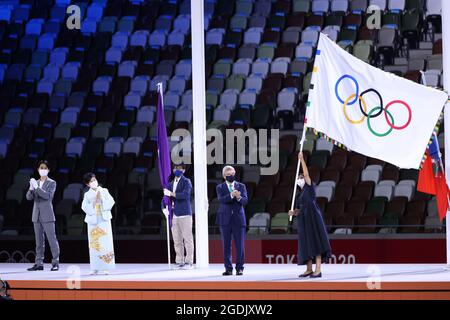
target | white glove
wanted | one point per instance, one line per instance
(31, 185)
(165, 211)
(167, 192)
(34, 183)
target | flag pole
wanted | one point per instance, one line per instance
(302, 140)
(159, 85)
(446, 75)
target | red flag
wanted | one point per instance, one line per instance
(426, 183)
(434, 184)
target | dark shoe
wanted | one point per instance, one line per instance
(304, 275)
(319, 275)
(36, 268)
(228, 273)
(239, 272)
(55, 267)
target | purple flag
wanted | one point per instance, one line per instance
(164, 163)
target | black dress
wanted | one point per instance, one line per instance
(312, 234)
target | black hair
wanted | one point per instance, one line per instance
(182, 165)
(87, 177)
(43, 162)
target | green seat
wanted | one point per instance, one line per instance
(306, 83)
(63, 130)
(222, 68)
(301, 6)
(236, 81)
(363, 52)
(212, 99)
(279, 223)
(308, 145)
(410, 21)
(217, 124)
(346, 45)
(375, 207)
(238, 22)
(101, 130)
(244, 8)
(266, 51)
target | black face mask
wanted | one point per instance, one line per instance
(229, 178)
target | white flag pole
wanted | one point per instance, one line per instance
(446, 74)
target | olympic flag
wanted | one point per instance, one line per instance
(370, 111)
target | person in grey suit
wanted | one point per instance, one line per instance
(41, 192)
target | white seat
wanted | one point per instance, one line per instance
(324, 144)
(384, 191)
(370, 175)
(404, 191)
(325, 192)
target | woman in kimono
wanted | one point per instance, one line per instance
(97, 204)
(313, 243)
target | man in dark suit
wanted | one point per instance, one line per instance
(230, 217)
(179, 191)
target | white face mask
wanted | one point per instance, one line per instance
(301, 182)
(93, 184)
(43, 172)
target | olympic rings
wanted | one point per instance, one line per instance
(345, 112)
(370, 127)
(374, 112)
(337, 86)
(409, 114)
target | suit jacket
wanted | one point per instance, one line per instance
(88, 208)
(182, 200)
(231, 206)
(43, 197)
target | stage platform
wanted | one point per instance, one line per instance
(259, 282)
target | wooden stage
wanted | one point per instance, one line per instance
(259, 282)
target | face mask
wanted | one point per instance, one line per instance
(229, 178)
(93, 184)
(178, 173)
(301, 182)
(43, 172)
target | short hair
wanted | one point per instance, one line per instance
(227, 168)
(43, 162)
(182, 165)
(87, 177)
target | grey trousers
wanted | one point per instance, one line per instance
(42, 229)
(182, 237)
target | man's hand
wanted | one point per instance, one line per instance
(165, 211)
(300, 156)
(292, 213)
(235, 193)
(168, 193)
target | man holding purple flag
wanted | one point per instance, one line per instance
(177, 195)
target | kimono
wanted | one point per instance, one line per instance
(98, 219)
